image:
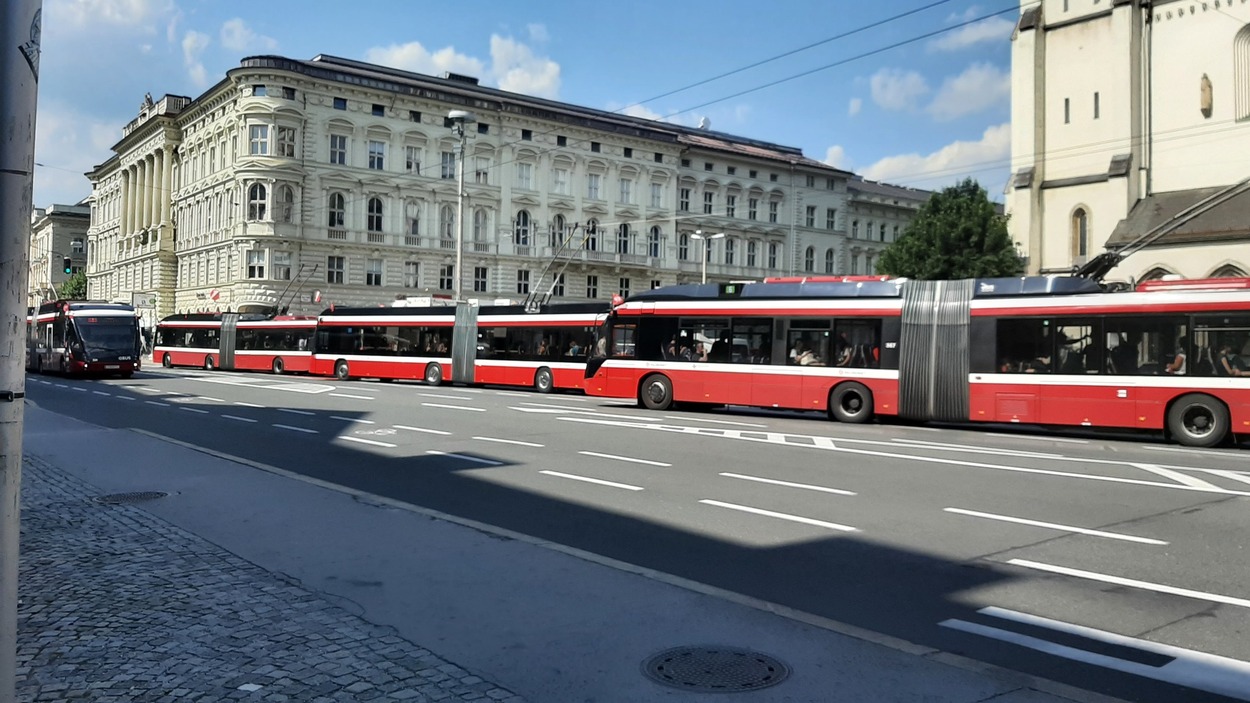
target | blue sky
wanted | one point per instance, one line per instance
(927, 113)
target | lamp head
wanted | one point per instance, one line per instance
(462, 116)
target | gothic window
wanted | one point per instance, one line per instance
(1080, 233)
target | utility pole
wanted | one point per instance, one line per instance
(20, 30)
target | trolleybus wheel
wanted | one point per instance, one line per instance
(850, 402)
(167, 362)
(656, 392)
(208, 363)
(341, 372)
(542, 380)
(434, 374)
(1197, 420)
(277, 365)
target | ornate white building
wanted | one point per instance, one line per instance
(57, 232)
(1125, 114)
(290, 178)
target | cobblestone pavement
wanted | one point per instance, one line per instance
(117, 605)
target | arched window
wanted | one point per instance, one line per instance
(337, 207)
(374, 221)
(809, 259)
(286, 205)
(256, 201)
(622, 239)
(868, 264)
(751, 250)
(479, 226)
(592, 235)
(731, 246)
(1155, 274)
(854, 264)
(412, 211)
(772, 255)
(653, 243)
(1241, 73)
(829, 258)
(447, 223)
(559, 233)
(1080, 233)
(521, 232)
(683, 247)
(1228, 271)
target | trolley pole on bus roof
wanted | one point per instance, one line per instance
(20, 28)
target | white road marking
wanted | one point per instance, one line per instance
(248, 405)
(804, 486)
(373, 442)
(124, 397)
(600, 482)
(454, 407)
(1183, 479)
(510, 394)
(352, 419)
(557, 410)
(1233, 475)
(80, 390)
(348, 395)
(1055, 526)
(445, 397)
(420, 429)
(625, 458)
(153, 402)
(1121, 581)
(101, 393)
(194, 410)
(781, 516)
(294, 411)
(215, 400)
(972, 449)
(487, 462)
(1197, 670)
(715, 422)
(240, 419)
(1039, 439)
(509, 441)
(1233, 454)
(297, 429)
(61, 385)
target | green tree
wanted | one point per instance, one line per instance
(75, 287)
(957, 234)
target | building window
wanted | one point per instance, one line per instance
(527, 135)
(683, 247)
(286, 205)
(1097, 107)
(525, 176)
(447, 224)
(624, 288)
(77, 246)
(829, 261)
(753, 205)
(379, 110)
(286, 142)
(522, 282)
(560, 181)
(592, 186)
(829, 184)
(881, 237)
(481, 172)
(659, 158)
(562, 140)
(811, 181)
(731, 170)
(592, 286)
(809, 259)
(895, 237)
(854, 265)
(559, 232)
(810, 213)
(448, 170)
(708, 199)
(479, 227)
(558, 289)
(657, 195)
(707, 165)
(480, 275)
(521, 232)
(338, 149)
(653, 243)
(258, 136)
(446, 276)
(256, 263)
(337, 207)
(831, 216)
(627, 190)
(414, 116)
(259, 91)
(483, 128)
(656, 283)
(772, 211)
(622, 239)
(753, 173)
(592, 235)
(373, 222)
(772, 177)
(854, 229)
(595, 147)
(751, 253)
(377, 154)
(412, 274)
(683, 200)
(685, 163)
(1080, 233)
(256, 199)
(412, 159)
(335, 268)
(772, 255)
(373, 272)
(412, 215)
(282, 265)
(730, 247)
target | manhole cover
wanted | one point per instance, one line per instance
(715, 669)
(138, 497)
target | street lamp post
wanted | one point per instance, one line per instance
(698, 234)
(459, 118)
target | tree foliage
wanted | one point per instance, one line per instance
(74, 287)
(957, 234)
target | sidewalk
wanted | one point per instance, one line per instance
(242, 584)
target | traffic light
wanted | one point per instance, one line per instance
(67, 265)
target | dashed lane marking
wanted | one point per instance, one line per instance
(597, 481)
(781, 516)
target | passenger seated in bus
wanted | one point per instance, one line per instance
(1006, 365)
(805, 357)
(720, 349)
(1177, 365)
(670, 351)
(1230, 364)
(1040, 364)
(575, 349)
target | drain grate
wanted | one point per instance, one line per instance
(715, 669)
(137, 497)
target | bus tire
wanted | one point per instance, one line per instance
(208, 363)
(277, 365)
(656, 392)
(434, 374)
(341, 372)
(543, 382)
(850, 402)
(1198, 420)
(167, 362)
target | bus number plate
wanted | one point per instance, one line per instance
(112, 366)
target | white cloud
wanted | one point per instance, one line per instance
(856, 105)
(835, 156)
(68, 143)
(92, 13)
(517, 69)
(538, 32)
(964, 16)
(193, 46)
(979, 87)
(237, 36)
(639, 111)
(994, 29)
(414, 57)
(896, 89)
(951, 162)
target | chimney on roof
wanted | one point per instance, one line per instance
(459, 77)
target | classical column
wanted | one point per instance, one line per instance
(167, 181)
(125, 200)
(149, 183)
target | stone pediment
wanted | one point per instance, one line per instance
(560, 205)
(525, 200)
(629, 212)
(595, 208)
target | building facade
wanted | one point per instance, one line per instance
(298, 184)
(57, 232)
(1125, 115)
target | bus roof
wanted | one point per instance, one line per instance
(552, 309)
(873, 287)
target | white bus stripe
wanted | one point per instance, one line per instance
(1134, 583)
(804, 486)
(625, 458)
(781, 516)
(1055, 526)
(600, 482)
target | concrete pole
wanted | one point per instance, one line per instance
(459, 212)
(20, 32)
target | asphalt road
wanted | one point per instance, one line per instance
(1115, 564)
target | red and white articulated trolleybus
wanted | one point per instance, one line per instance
(495, 344)
(235, 341)
(83, 337)
(1170, 355)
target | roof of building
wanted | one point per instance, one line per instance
(887, 190)
(1221, 223)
